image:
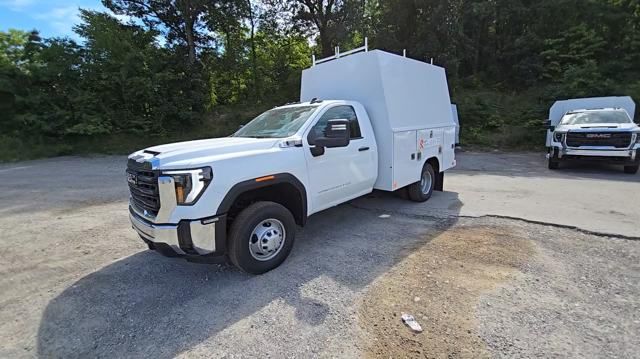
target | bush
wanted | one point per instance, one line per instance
(493, 119)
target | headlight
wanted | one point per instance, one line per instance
(638, 138)
(190, 184)
(558, 136)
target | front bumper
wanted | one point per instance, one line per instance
(617, 156)
(200, 240)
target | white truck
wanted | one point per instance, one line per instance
(367, 120)
(594, 129)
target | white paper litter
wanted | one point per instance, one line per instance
(411, 322)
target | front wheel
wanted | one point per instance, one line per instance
(422, 191)
(261, 237)
(553, 162)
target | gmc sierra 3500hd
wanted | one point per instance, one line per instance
(385, 123)
(594, 129)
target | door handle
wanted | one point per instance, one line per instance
(362, 149)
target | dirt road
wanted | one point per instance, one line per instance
(75, 281)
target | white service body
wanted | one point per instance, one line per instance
(407, 101)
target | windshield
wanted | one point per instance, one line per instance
(593, 117)
(277, 123)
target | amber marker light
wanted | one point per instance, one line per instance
(179, 193)
(266, 178)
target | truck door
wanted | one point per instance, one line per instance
(344, 173)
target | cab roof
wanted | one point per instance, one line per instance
(561, 108)
(312, 103)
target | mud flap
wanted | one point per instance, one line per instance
(440, 182)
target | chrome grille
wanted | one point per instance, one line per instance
(604, 139)
(143, 186)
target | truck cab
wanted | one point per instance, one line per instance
(241, 197)
(595, 133)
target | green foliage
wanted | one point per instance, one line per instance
(182, 69)
(497, 120)
(12, 47)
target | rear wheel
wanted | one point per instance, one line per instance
(261, 237)
(631, 169)
(421, 191)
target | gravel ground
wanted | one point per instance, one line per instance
(439, 284)
(577, 297)
(75, 281)
(499, 288)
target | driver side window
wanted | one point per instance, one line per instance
(335, 113)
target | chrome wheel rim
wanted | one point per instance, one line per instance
(267, 239)
(425, 182)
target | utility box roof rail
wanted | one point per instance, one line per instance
(338, 55)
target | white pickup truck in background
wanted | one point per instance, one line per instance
(594, 129)
(369, 120)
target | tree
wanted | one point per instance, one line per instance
(176, 63)
(12, 45)
(427, 29)
(137, 86)
(333, 19)
(183, 19)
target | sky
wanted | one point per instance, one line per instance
(50, 17)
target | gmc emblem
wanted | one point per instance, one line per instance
(599, 135)
(131, 178)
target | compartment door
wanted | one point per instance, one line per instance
(449, 148)
(405, 159)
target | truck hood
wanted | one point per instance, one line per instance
(599, 127)
(192, 153)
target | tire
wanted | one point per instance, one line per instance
(256, 228)
(422, 191)
(553, 163)
(631, 169)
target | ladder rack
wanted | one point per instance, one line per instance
(338, 55)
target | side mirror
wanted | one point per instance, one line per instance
(548, 126)
(336, 134)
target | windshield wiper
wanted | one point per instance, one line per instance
(254, 136)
